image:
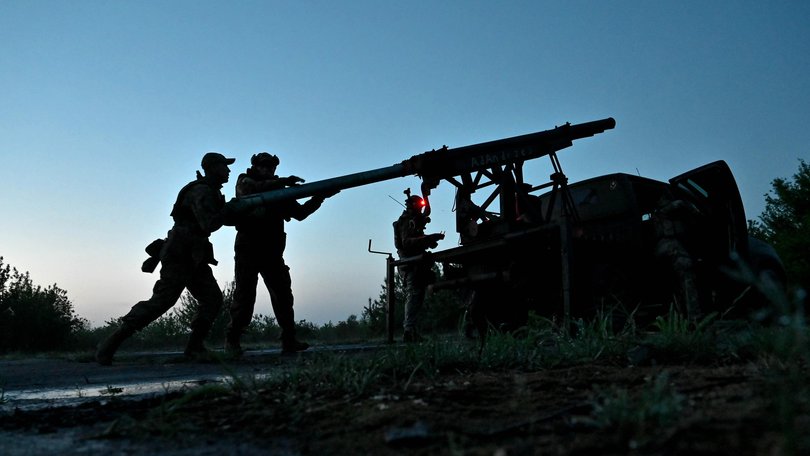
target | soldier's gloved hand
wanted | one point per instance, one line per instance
(433, 239)
(328, 194)
(294, 180)
(320, 197)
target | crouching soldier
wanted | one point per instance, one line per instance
(186, 256)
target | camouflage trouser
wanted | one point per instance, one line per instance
(683, 267)
(174, 278)
(416, 278)
(276, 276)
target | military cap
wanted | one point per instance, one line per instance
(263, 158)
(214, 158)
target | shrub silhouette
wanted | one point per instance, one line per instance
(33, 318)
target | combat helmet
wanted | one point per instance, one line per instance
(264, 158)
(414, 202)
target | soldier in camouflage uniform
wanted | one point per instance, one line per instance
(672, 220)
(186, 256)
(259, 249)
(410, 240)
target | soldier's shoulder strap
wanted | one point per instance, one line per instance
(181, 195)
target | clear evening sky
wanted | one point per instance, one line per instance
(106, 108)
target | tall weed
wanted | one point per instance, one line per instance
(638, 418)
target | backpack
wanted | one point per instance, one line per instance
(397, 237)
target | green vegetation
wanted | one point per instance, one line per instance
(638, 417)
(785, 223)
(635, 416)
(33, 318)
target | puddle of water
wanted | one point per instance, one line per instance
(39, 398)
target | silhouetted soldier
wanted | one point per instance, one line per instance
(186, 255)
(410, 240)
(673, 218)
(259, 249)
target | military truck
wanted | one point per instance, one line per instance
(591, 246)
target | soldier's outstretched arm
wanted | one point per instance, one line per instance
(292, 180)
(302, 211)
(247, 185)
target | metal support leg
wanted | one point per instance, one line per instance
(390, 279)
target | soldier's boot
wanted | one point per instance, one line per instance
(107, 348)
(411, 335)
(195, 347)
(290, 345)
(293, 346)
(233, 346)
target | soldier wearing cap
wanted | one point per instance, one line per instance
(259, 250)
(186, 255)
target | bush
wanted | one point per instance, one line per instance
(33, 318)
(785, 223)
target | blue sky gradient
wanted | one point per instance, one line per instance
(107, 107)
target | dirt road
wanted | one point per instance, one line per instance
(65, 406)
(28, 384)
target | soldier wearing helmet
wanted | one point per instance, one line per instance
(410, 240)
(259, 250)
(186, 255)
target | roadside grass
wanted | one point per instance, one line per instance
(637, 419)
(635, 416)
(543, 344)
(785, 359)
(676, 338)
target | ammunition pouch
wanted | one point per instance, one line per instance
(153, 250)
(150, 264)
(185, 243)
